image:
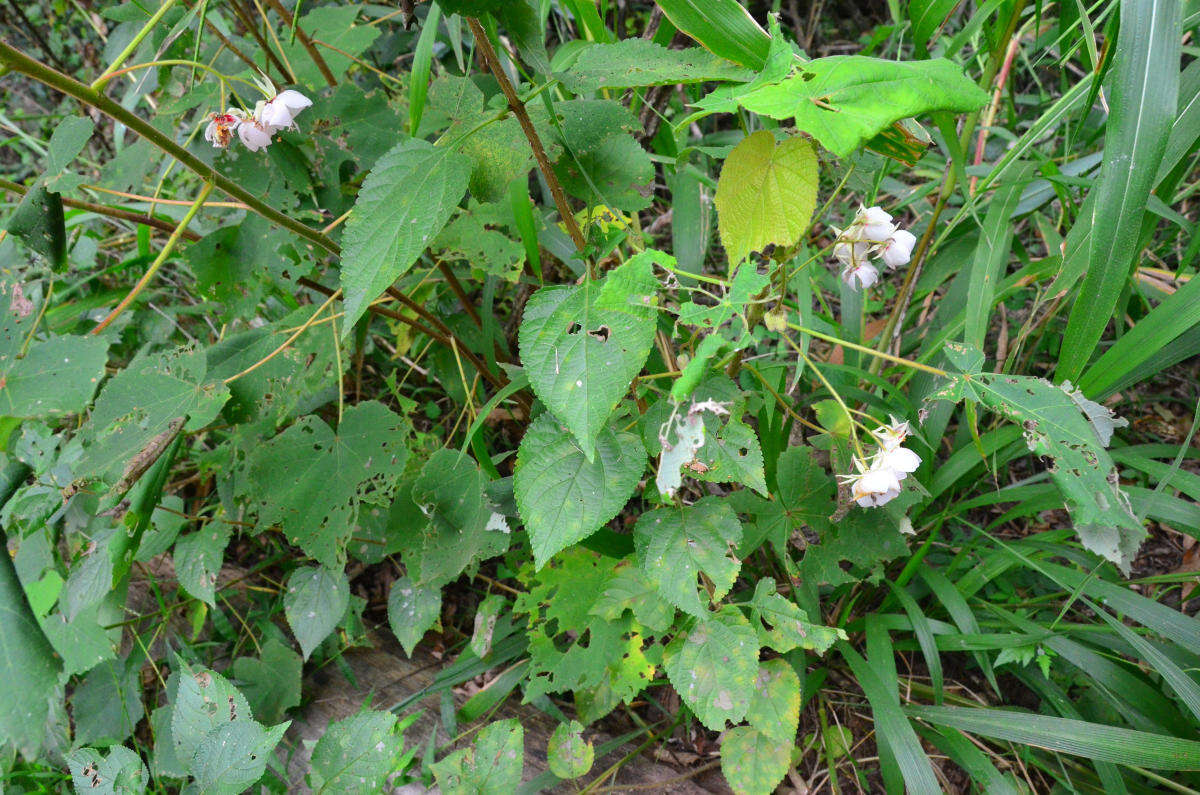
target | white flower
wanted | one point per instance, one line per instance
(221, 126)
(897, 249)
(875, 224)
(850, 252)
(860, 276)
(254, 135)
(892, 435)
(281, 111)
(873, 486)
(900, 461)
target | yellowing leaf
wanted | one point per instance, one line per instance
(766, 194)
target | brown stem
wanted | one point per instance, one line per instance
(457, 287)
(382, 311)
(227, 44)
(103, 209)
(535, 143)
(248, 22)
(305, 41)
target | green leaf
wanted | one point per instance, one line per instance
(493, 764)
(204, 701)
(312, 481)
(1081, 738)
(234, 755)
(857, 546)
(470, 8)
(356, 754)
(53, 376)
(766, 194)
(927, 16)
(570, 756)
(412, 611)
(775, 703)
(803, 497)
(39, 222)
(675, 545)
(141, 401)
(477, 237)
(121, 772)
(271, 683)
(198, 557)
(723, 26)
(640, 62)
(486, 616)
(605, 165)
(107, 704)
(753, 762)
(562, 497)
(845, 100)
(332, 25)
(580, 358)
(784, 626)
(713, 666)
(404, 202)
(28, 666)
(1143, 101)
(630, 589)
(1056, 425)
(314, 602)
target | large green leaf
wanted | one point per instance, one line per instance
(783, 625)
(107, 704)
(640, 62)
(713, 666)
(404, 202)
(766, 194)
(28, 666)
(314, 602)
(493, 764)
(723, 26)
(845, 100)
(121, 772)
(271, 682)
(1143, 101)
(580, 358)
(1081, 738)
(334, 26)
(563, 497)
(204, 700)
(604, 164)
(311, 481)
(753, 762)
(675, 545)
(356, 754)
(234, 755)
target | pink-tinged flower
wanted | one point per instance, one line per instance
(219, 131)
(851, 252)
(254, 135)
(897, 249)
(893, 434)
(872, 487)
(281, 111)
(900, 461)
(875, 224)
(860, 276)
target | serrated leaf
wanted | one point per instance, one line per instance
(234, 755)
(640, 62)
(141, 401)
(121, 772)
(271, 683)
(605, 165)
(314, 602)
(404, 202)
(356, 754)
(766, 194)
(333, 26)
(476, 237)
(198, 557)
(855, 547)
(39, 222)
(204, 701)
(493, 764)
(312, 481)
(804, 498)
(412, 611)
(580, 358)
(630, 589)
(562, 497)
(844, 100)
(28, 666)
(713, 665)
(570, 756)
(775, 702)
(675, 545)
(783, 626)
(754, 763)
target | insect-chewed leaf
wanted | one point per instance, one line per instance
(234, 755)
(674, 545)
(121, 772)
(713, 666)
(203, 701)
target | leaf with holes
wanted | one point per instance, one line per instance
(604, 164)
(356, 754)
(562, 497)
(493, 764)
(580, 358)
(640, 62)
(204, 700)
(312, 481)
(675, 545)
(412, 611)
(857, 546)
(234, 755)
(766, 194)
(314, 602)
(121, 772)
(753, 762)
(404, 202)
(783, 626)
(713, 665)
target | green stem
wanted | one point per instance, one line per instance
(132, 46)
(20, 62)
(869, 351)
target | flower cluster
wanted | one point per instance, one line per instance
(871, 234)
(255, 130)
(878, 481)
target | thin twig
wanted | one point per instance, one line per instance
(103, 209)
(244, 15)
(305, 42)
